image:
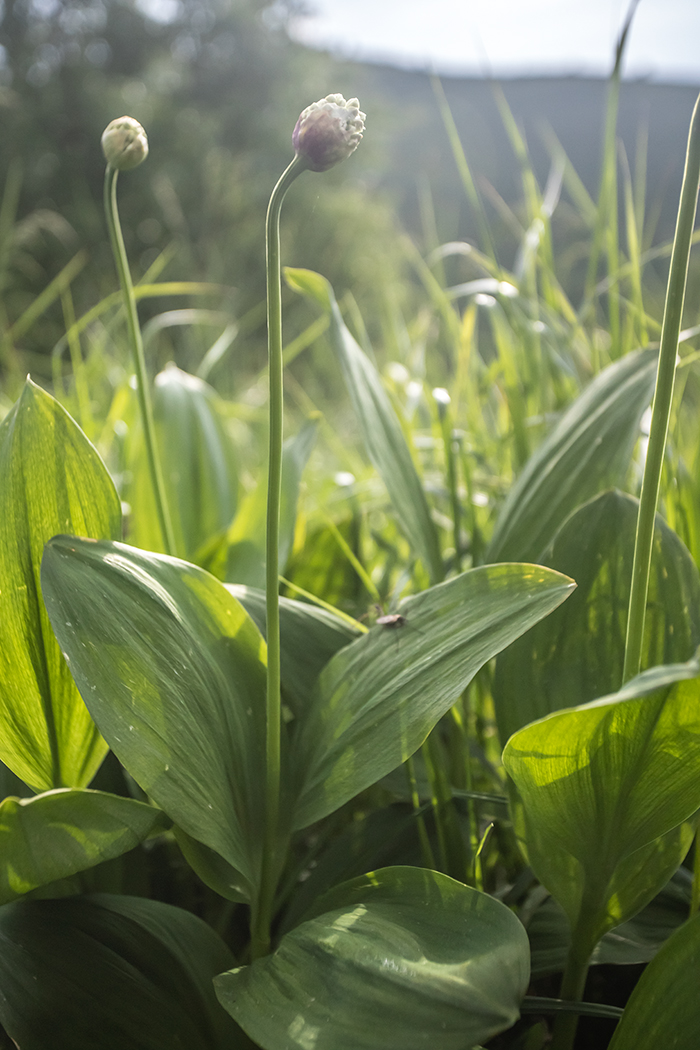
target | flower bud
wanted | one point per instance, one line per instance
(124, 143)
(328, 131)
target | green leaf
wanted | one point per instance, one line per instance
(197, 462)
(664, 1008)
(380, 696)
(577, 653)
(57, 834)
(632, 942)
(111, 972)
(239, 556)
(605, 790)
(51, 480)
(309, 637)
(384, 439)
(313, 285)
(401, 959)
(383, 838)
(173, 670)
(588, 449)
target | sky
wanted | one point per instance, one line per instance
(511, 37)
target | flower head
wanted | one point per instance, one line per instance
(328, 131)
(124, 143)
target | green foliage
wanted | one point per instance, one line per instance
(380, 696)
(78, 829)
(176, 677)
(398, 958)
(576, 654)
(371, 885)
(589, 448)
(52, 480)
(664, 1006)
(605, 791)
(132, 973)
(198, 467)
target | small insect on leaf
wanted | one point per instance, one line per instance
(392, 620)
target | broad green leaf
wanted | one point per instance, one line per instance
(382, 435)
(400, 959)
(111, 972)
(635, 941)
(57, 834)
(588, 449)
(239, 556)
(577, 653)
(309, 637)
(51, 480)
(664, 1008)
(604, 792)
(198, 469)
(380, 696)
(381, 839)
(173, 670)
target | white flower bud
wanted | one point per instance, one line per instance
(124, 143)
(328, 131)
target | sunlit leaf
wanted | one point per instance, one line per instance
(51, 480)
(588, 450)
(57, 834)
(173, 670)
(197, 462)
(577, 653)
(605, 790)
(401, 959)
(381, 695)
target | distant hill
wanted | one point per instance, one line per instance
(401, 106)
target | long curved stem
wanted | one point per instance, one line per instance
(262, 911)
(132, 320)
(663, 395)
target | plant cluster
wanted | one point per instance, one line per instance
(236, 814)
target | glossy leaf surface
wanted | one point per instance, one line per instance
(401, 959)
(173, 669)
(57, 834)
(381, 695)
(664, 1008)
(605, 789)
(588, 449)
(383, 437)
(110, 972)
(51, 480)
(577, 653)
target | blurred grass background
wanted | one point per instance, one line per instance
(218, 85)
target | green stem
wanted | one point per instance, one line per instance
(262, 912)
(572, 988)
(663, 396)
(132, 320)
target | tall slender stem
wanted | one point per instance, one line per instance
(262, 911)
(132, 320)
(663, 396)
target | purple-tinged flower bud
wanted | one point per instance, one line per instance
(328, 131)
(124, 143)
